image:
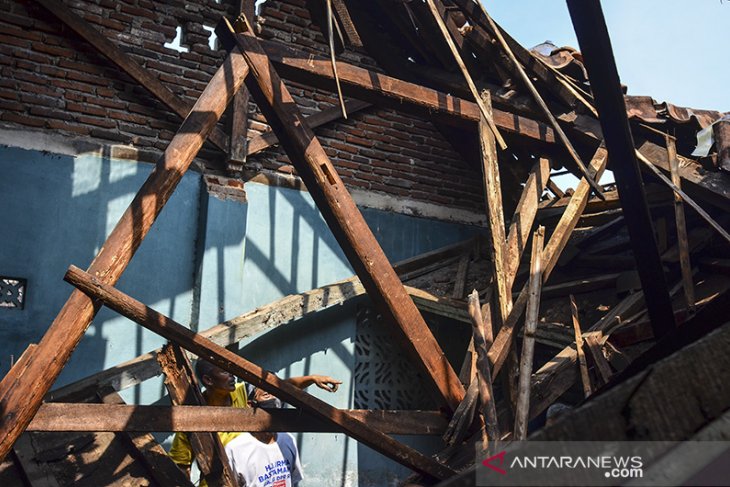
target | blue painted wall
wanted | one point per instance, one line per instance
(206, 260)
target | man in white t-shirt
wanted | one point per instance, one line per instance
(264, 459)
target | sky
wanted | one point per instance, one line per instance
(672, 50)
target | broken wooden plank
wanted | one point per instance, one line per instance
(183, 389)
(486, 113)
(528, 342)
(484, 374)
(593, 343)
(347, 224)
(127, 64)
(143, 445)
(385, 90)
(145, 419)
(684, 262)
(495, 215)
(463, 417)
(524, 216)
(590, 28)
(268, 139)
(256, 375)
(585, 378)
(54, 350)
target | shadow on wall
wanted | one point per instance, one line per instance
(58, 211)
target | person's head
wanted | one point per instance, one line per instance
(262, 399)
(214, 378)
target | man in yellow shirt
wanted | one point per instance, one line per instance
(221, 389)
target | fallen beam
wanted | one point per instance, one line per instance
(199, 419)
(347, 224)
(253, 374)
(19, 403)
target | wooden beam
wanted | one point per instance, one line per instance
(268, 317)
(127, 64)
(237, 150)
(253, 374)
(495, 215)
(268, 139)
(585, 378)
(348, 225)
(484, 374)
(524, 216)
(460, 278)
(555, 246)
(590, 28)
(486, 113)
(183, 389)
(197, 419)
(684, 262)
(22, 401)
(385, 90)
(142, 444)
(528, 341)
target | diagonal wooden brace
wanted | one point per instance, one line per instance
(347, 223)
(21, 400)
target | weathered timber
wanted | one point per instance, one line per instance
(590, 28)
(463, 417)
(143, 419)
(347, 224)
(127, 64)
(486, 113)
(142, 444)
(558, 374)
(593, 343)
(348, 26)
(238, 147)
(22, 401)
(183, 389)
(268, 139)
(580, 285)
(555, 246)
(528, 342)
(19, 367)
(460, 278)
(684, 262)
(495, 215)
(385, 90)
(524, 216)
(284, 310)
(541, 103)
(555, 189)
(685, 197)
(584, 377)
(484, 374)
(254, 374)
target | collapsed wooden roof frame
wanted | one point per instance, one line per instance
(23, 389)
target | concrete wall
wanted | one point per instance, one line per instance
(209, 258)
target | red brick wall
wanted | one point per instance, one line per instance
(51, 79)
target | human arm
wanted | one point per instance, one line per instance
(322, 381)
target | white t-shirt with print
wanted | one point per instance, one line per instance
(258, 464)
